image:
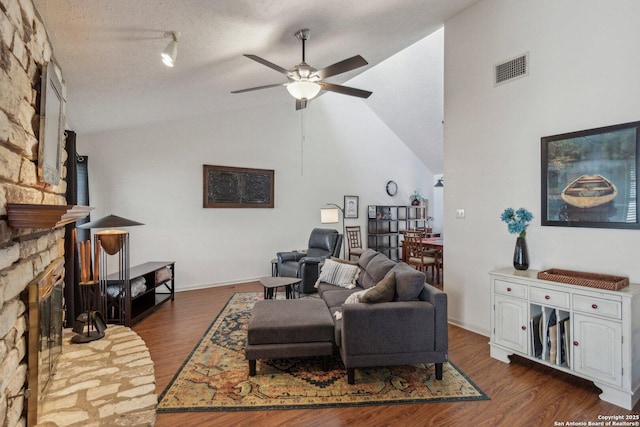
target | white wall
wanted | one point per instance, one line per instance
(584, 74)
(154, 175)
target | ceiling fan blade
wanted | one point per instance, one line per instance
(345, 90)
(268, 64)
(341, 67)
(300, 104)
(259, 87)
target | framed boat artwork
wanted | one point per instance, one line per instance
(590, 177)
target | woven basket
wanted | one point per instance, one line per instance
(593, 280)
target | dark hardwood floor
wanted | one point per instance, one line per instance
(522, 393)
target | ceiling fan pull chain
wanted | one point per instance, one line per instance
(303, 51)
(302, 138)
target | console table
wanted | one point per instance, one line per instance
(159, 279)
(587, 332)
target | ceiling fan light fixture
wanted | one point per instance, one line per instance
(170, 53)
(304, 89)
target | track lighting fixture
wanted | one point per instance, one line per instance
(171, 51)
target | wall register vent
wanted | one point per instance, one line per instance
(511, 69)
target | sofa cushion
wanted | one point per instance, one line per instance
(374, 268)
(337, 296)
(384, 291)
(339, 274)
(409, 282)
(344, 261)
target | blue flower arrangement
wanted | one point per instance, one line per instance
(517, 221)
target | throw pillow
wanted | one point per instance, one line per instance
(383, 291)
(339, 274)
(355, 297)
(409, 282)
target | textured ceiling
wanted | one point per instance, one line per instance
(109, 50)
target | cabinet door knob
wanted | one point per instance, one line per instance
(524, 328)
(576, 343)
(594, 306)
(508, 289)
(547, 297)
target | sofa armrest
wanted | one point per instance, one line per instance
(390, 327)
(439, 300)
(290, 256)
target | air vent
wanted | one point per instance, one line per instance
(512, 69)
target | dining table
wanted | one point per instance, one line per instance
(433, 242)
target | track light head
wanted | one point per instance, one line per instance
(171, 51)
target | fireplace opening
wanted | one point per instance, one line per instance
(45, 319)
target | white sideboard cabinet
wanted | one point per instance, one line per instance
(588, 332)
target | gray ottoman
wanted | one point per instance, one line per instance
(280, 329)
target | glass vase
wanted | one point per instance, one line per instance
(520, 255)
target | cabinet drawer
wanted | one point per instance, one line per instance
(511, 289)
(601, 307)
(549, 297)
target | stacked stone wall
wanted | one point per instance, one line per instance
(24, 49)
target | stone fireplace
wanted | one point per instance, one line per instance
(24, 253)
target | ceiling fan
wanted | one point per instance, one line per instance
(305, 82)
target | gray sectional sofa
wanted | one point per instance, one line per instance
(410, 329)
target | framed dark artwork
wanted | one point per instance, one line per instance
(351, 206)
(589, 178)
(231, 187)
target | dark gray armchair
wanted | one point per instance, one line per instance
(323, 243)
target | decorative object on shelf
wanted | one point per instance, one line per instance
(586, 178)
(440, 182)
(351, 206)
(416, 199)
(428, 220)
(92, 319)
(520, 254)
(392, 188)
(517, 223)
(581, 278)
(231, 187)
(113, 242)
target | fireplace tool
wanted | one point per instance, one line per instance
(90, 318)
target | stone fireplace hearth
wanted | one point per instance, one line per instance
(108, 382)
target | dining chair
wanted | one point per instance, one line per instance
(416, 254)
(354, 240)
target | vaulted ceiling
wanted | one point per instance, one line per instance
(109, 54)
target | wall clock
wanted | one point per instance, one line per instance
(392, 188)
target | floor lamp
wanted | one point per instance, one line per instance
(332, 216)
(114, 242)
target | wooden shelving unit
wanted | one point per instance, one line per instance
(386, 224)
(159, 278)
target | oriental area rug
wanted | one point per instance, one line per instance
(215, 376)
